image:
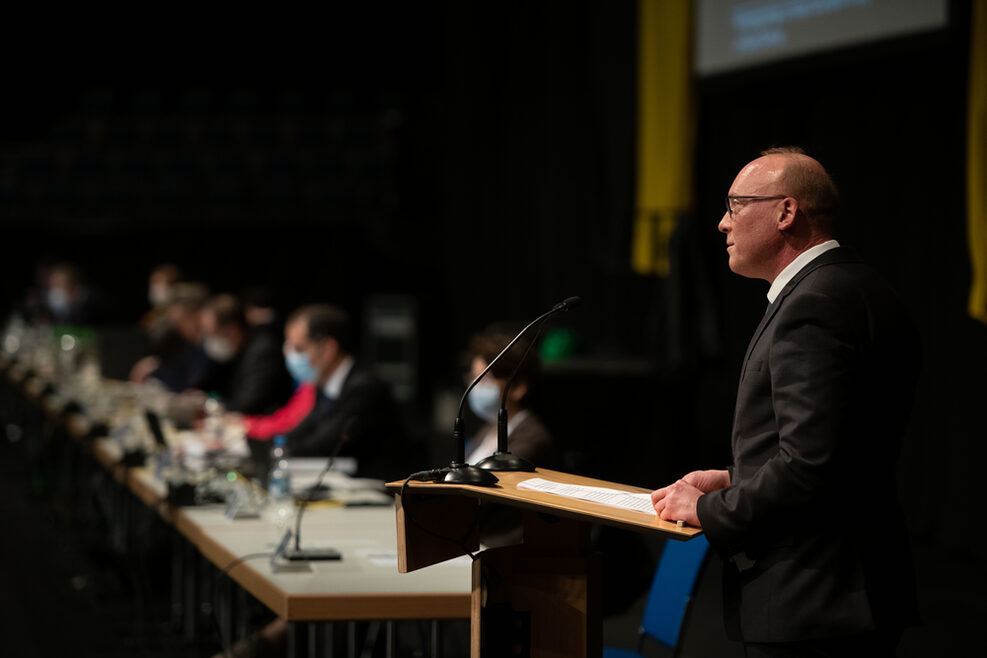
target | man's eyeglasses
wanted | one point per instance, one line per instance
(730, 199)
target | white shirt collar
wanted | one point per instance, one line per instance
(334, 385)
(796, 265)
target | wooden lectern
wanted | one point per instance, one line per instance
(537, 585)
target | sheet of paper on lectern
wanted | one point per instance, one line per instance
(635, 502)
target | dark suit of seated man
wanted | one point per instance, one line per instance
(247, 369)
(352, 405)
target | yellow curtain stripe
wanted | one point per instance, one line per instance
(977, 162)
(666, 129)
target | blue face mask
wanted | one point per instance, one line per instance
(485, 401)
(299, 367)
(58, 302)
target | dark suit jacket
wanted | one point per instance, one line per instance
(368, 415)
(811, 527)
(256, 381)
(183, 366)
(529, 440)
(260, 382)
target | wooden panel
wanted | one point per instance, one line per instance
(397, 605)
(539, 605)
(432, 529)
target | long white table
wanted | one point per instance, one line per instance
(363, 585)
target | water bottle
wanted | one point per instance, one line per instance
(213, 424)
(279, 483)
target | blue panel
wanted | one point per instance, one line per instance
(672, 588)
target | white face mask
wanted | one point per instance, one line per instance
(159, 295)
(219, 349)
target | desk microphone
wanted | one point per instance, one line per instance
(297, 552)
(459, 471)
(502, 459)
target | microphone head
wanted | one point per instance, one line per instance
(568, 303)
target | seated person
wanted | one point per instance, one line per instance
(351, 405)
(154, 322)
(178, 363)
(248, 370)
(260, 311)
(285, 419)
(527, 437)
(71, 300)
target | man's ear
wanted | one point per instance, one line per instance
(789, 210)
(332, 346)
(518, 390)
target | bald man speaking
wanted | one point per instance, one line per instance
(807, 517)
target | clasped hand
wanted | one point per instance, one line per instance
(677, 501)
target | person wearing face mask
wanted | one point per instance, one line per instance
(178, 363)
(285, 419)
(160, 291)
(351, 404)
(248, 370)
(70, 300)
(527, 436)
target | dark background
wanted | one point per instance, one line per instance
(480, 158)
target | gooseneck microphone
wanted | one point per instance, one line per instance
(459, 471)
(502, 459)
(297, 552)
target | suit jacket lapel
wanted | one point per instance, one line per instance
(838, 255)
(765, 320)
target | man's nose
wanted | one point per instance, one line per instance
(724, 224)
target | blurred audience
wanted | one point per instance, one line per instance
(180, 362)
(260, 311)
(354, 412)
(247, 368)
(71, 300)
(527, 437)
(160, 289)
(34, 306)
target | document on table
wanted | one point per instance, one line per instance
(635, 502)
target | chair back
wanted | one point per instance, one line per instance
(672, 588)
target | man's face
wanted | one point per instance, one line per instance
(752, 231)
(220, 342)
(476, 367)
(159, 288)
(186, 322)
(61, 281)
(211, 328)
(320, 353)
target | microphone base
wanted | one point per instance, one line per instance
(505, 461)
(466, 474)
(311, 554)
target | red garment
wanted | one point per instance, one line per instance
(284, 419)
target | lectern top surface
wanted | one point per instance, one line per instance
(506, 492)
